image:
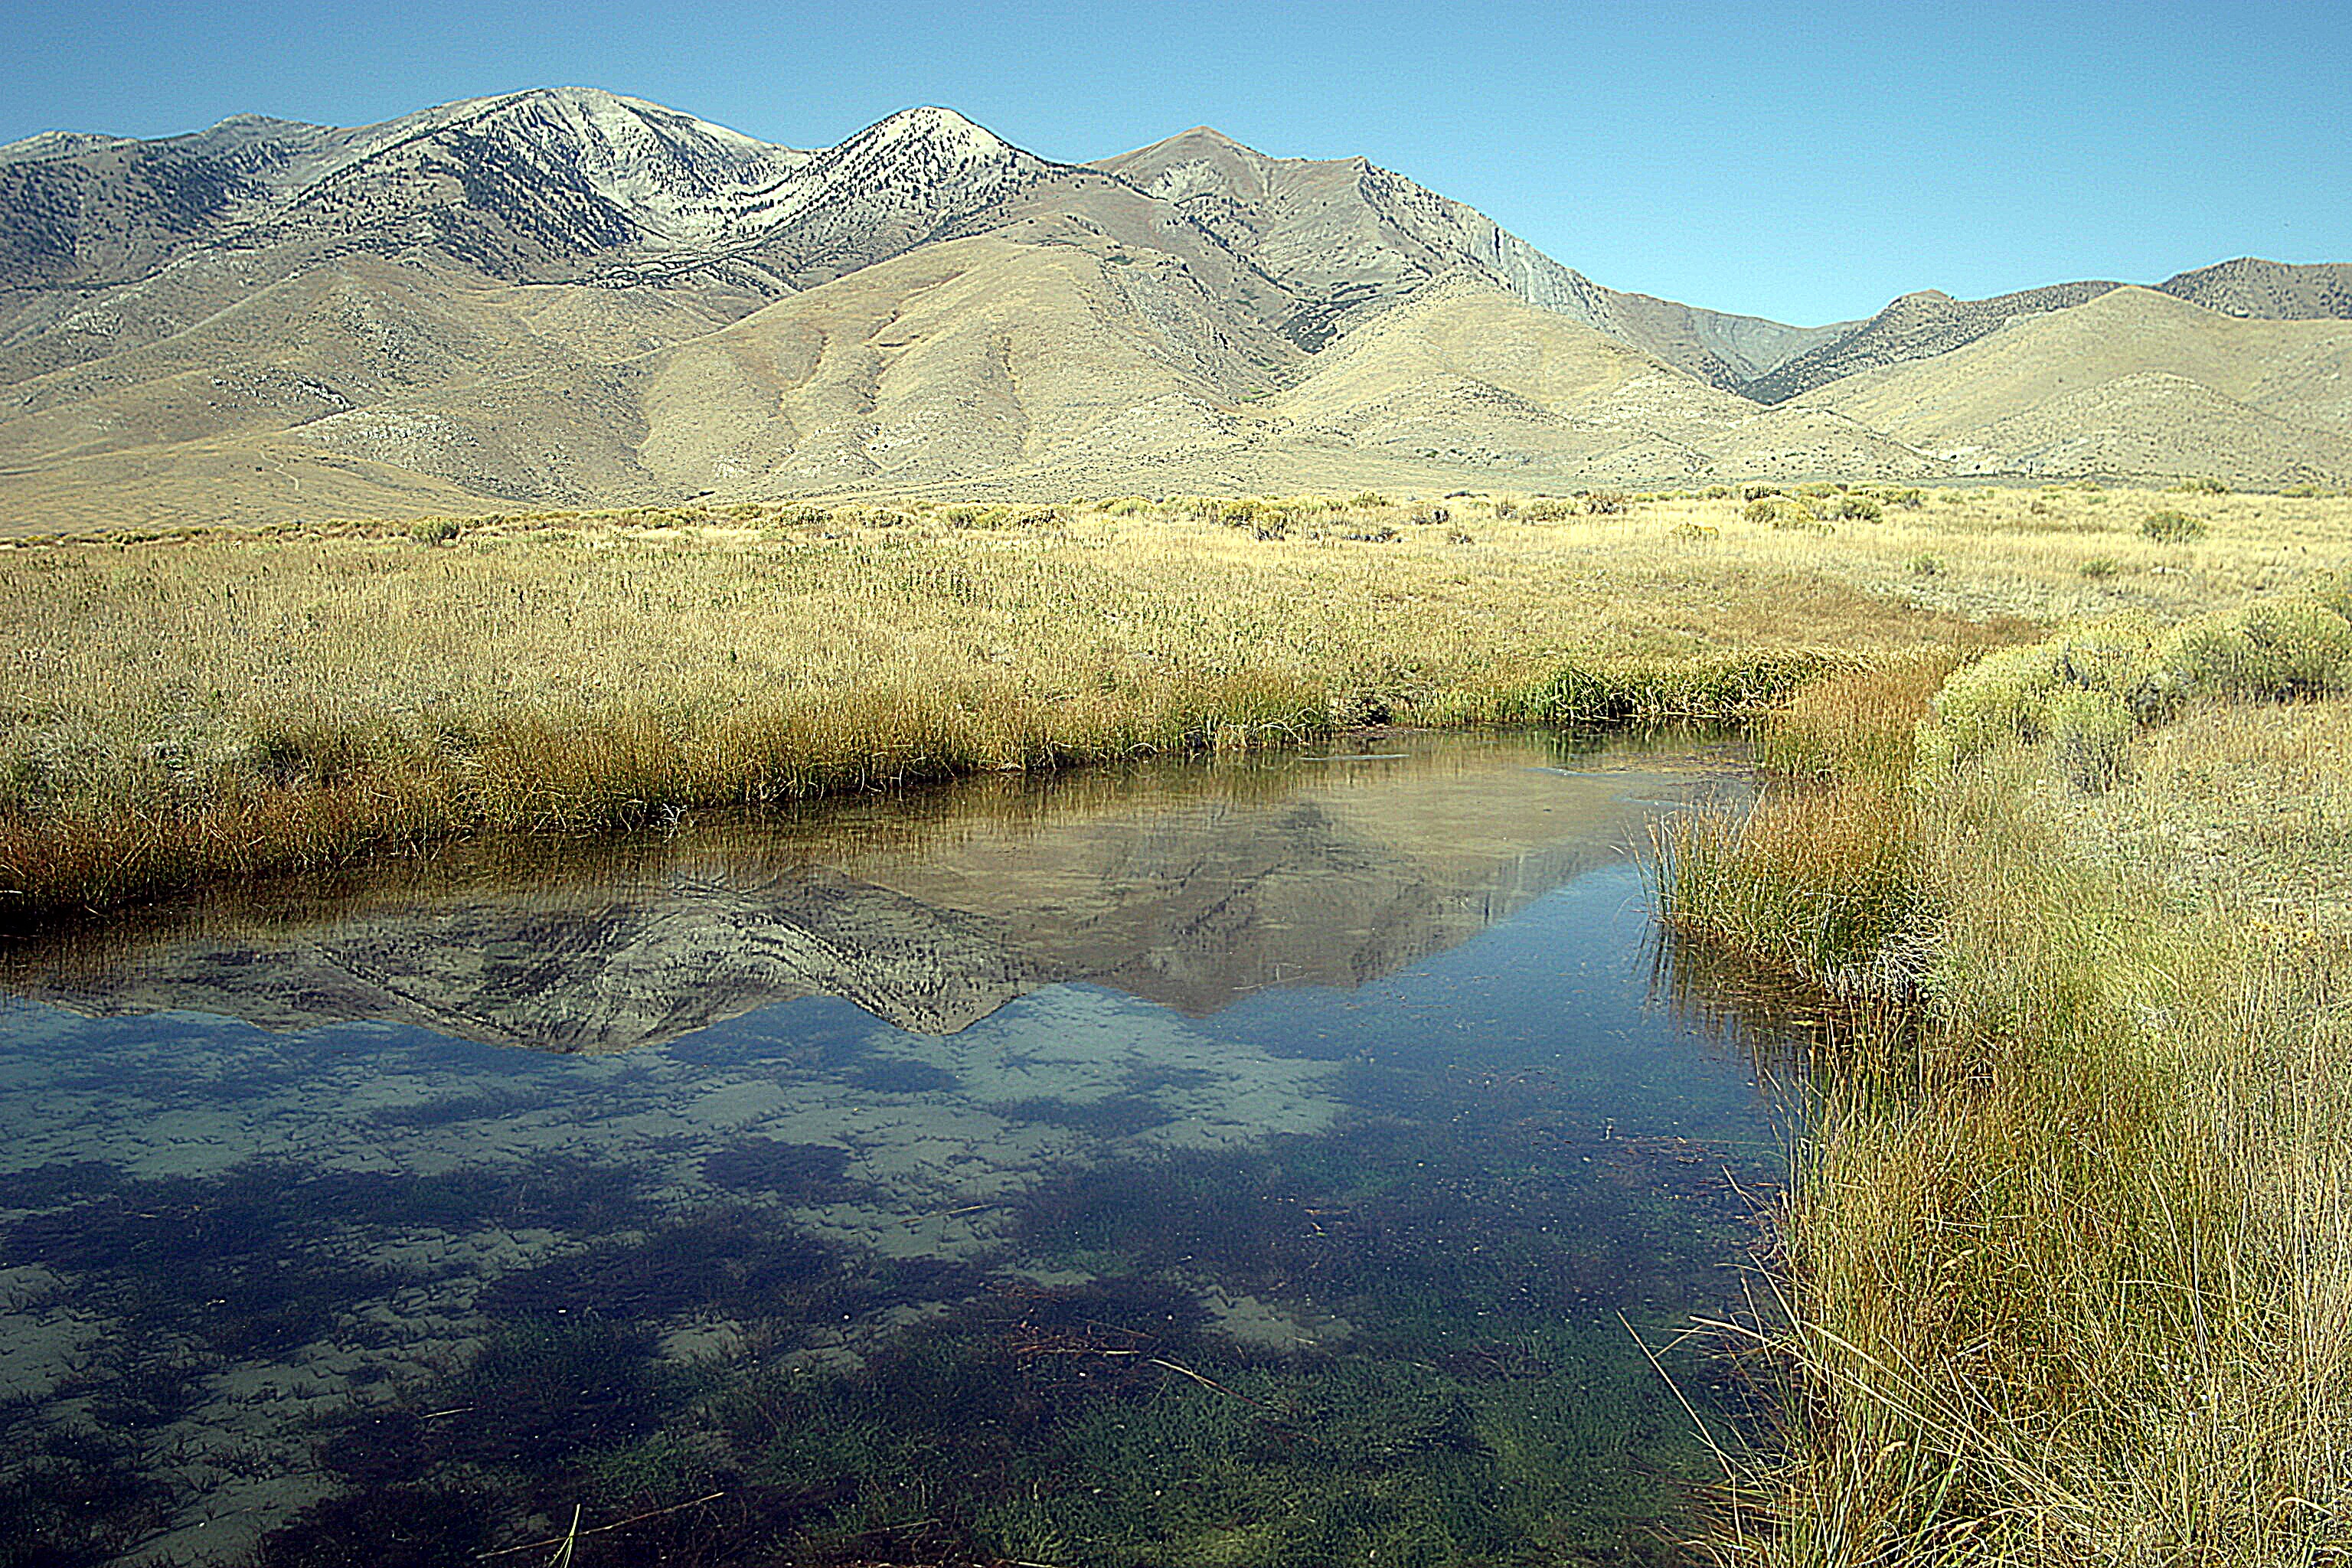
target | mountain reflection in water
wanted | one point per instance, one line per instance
(1266, 1162)
(1184, 884)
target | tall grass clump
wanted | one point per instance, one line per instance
(1709, 689)
(2074, 1285)
(2170, 526)
(1816, 882)
(2081, 1289)
(1819, 876)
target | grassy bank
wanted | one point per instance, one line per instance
(178, 709)
(2068, 1276)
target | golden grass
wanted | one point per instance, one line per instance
(2073, 1286)
(1856, 727)
(1819, 877)
(2076, 1284)
(225, 702)
(1820, 882)
(219, 702)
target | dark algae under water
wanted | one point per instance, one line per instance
(1269, 1163)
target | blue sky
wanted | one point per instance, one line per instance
(1800, 162)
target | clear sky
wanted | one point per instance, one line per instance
(1800, 162)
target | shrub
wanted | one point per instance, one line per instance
(1785, 512)
(1544, 509)
(2168, 527)
(1364, 500)
(1127, 506)
(2100, 566)
(1911, 498)
(1428, 515)
(1927, 565)
(1858, 507)
(2090, 731)
(1694, 531)
(1997, 698)
(1506, 508)
(2009, 695)
(2204, 486)
(1602, 503)
(2269, 652)
(435, 531)
(1757, 492)
(1715, 493)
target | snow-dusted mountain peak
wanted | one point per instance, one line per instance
(906, 173)
(942, 129)
(44, 144)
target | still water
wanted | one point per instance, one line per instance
(1265, 1163)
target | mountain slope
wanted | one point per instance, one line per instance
(1468, 373)
(1347, 238)
(961, 358)
(1914, 327)
(340, 336)
(567, 296)
(1922, 325)
(522, 185)
(2273, 290)
(2130, 381)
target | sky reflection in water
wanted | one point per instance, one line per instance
(1247, 1164)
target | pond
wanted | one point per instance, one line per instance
(1292, 1160)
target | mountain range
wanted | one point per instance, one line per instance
(563, 297)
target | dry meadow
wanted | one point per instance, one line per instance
(2064, 1274)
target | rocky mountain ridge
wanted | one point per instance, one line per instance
(563, 296)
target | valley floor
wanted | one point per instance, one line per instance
(2067, 1266)
(210, 701)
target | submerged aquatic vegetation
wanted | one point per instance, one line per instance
(1400, 1337)
(793, 1173)
(71, 1499)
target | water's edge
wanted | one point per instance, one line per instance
(1267, 1162)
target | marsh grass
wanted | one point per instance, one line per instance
(1817, 881)
(218, 704)
(2068, 1278)
(210, 702)
(1820, 875)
